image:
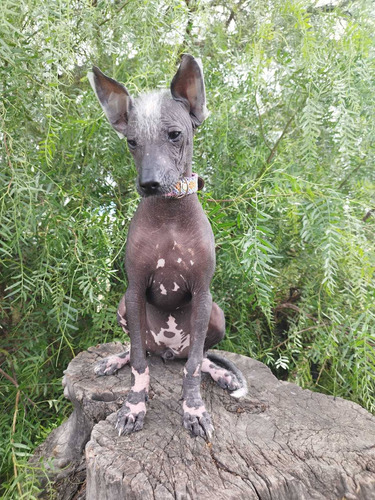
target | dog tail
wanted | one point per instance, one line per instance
(226, 363)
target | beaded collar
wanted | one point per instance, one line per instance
(185, 186)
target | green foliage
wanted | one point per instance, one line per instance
(287, 154)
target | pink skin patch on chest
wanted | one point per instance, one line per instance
(161, 263)
(163, 290)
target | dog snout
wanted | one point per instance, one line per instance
(150, 186)
(149, 182)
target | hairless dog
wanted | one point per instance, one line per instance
(167, 309)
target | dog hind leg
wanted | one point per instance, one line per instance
(221, 370)
(111, 364)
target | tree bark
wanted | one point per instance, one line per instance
(61, 457)
(279, 442)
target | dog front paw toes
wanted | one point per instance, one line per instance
(199, 426)
(130, 420)
(105, 368)
(197, 420)
(110, 365)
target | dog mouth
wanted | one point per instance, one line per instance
(180, 188)
(156, 189)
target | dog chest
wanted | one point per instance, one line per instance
(171, 276)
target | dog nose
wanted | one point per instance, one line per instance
(150, 187)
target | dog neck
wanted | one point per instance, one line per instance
(163, 208)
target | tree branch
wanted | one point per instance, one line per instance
(288, 305)
(274, 149)
(342, 183)
(233, 12)
(117, 11)
(15, 383)
(261, 123)
(368, 214)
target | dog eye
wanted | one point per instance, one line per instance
(174, 135)
(132, 143)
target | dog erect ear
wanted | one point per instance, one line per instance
(114, 99)
(188, 86)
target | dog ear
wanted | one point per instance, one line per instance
(114, 99)
(188, 86)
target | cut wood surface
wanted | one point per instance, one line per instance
(279, 442)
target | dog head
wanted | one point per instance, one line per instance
(159, 126)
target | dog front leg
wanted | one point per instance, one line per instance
(131, 415)
(196, 419)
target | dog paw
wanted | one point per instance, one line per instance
(196, 419)
(229, 381)
(130, 418)
(223, 377)
(110, 365)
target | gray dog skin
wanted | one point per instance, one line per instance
(167, 309)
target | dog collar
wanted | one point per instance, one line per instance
(185, 186)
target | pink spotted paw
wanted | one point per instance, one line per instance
(224, 378)
(130, 417)
(111, 364)
(229, 381)
(196, 419)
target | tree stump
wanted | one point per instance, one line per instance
(93, 399)
(279, 442)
